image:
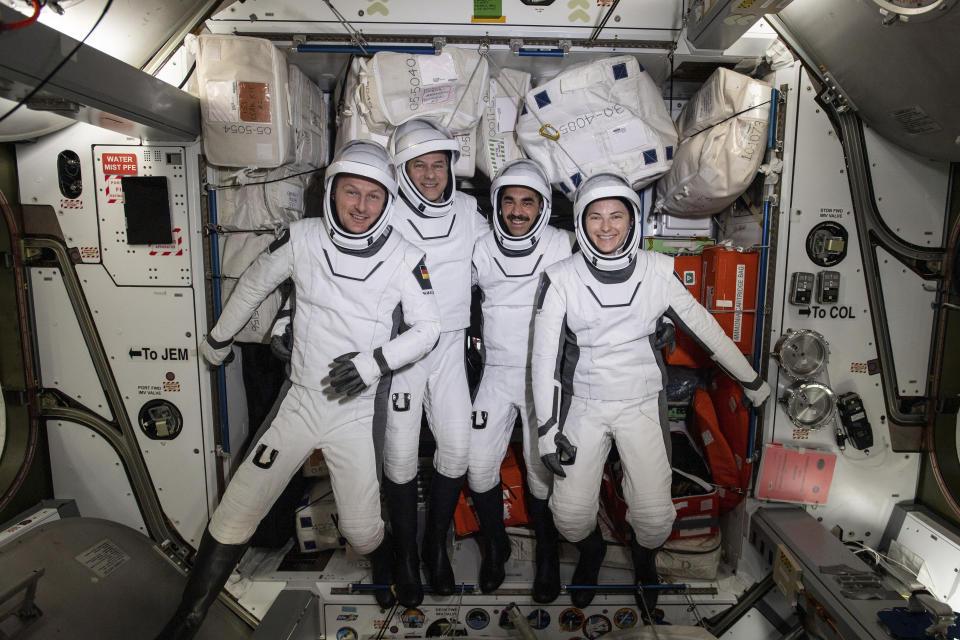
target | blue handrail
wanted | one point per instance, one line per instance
(217, 309)
(349, 48)
(762, 280)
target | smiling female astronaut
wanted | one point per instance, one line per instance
(596, 377)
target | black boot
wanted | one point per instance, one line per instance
(211, 568)
(496, 543)
(546, 583)
(402, 505)
(645, 573)
(381, 568)
(444, 492)
(592, 549)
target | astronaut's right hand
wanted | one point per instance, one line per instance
(556, 451)
(216, 353)
(757, 395)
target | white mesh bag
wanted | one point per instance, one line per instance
(243, 101)
(726, 125)
(310, 116)
(245, 210)
(498, 125)
(446, 88)
(610, 118)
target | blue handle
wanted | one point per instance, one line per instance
(541, 53)
(349, 48)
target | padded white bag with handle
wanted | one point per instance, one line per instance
(607, 116)
(498, 126)
(351, 125)
(244, 103)
(723, 142)
(447, 88)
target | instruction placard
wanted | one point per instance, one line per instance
(487, 8)
(103, 558)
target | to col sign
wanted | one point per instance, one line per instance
(121, 164)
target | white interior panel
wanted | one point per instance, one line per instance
(908, 304)
(865, 485)
(64, 359)
(911, 190)
(150, 339)
(166, 264)
(87, 469)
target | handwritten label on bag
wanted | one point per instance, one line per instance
(254, 100)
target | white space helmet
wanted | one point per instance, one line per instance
(413, 139)
(369, 160)
(598, 187)
(520, 173)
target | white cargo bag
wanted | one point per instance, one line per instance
(247, 210)
(447, 88)
(610, 117)
(243, 101)
(724, 94)
(690, 558)
(498, 125)
(717, 161)
(316, 519)
(309, 112)
(350, 124)
(466, 165)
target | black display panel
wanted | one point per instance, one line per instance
(146, 205)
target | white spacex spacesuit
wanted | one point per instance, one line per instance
(352, 293)
(507, 269)
(356, 280)
(597, 376)
(446, 228)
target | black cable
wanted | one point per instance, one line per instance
(250, 184)
(59, 66)
(187, 77)
(756, 106)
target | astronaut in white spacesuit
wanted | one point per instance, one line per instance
(445, 224)
(355, 280)
(507, 265)
(597, 377)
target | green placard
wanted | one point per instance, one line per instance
(487, 8)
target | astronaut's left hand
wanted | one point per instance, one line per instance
(563, 454)
(665, 336)
(353, 372)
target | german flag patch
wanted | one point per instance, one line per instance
(422, 275)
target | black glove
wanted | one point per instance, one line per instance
(282, 345)
(344, 377)
(566, 455)
(665, 336)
